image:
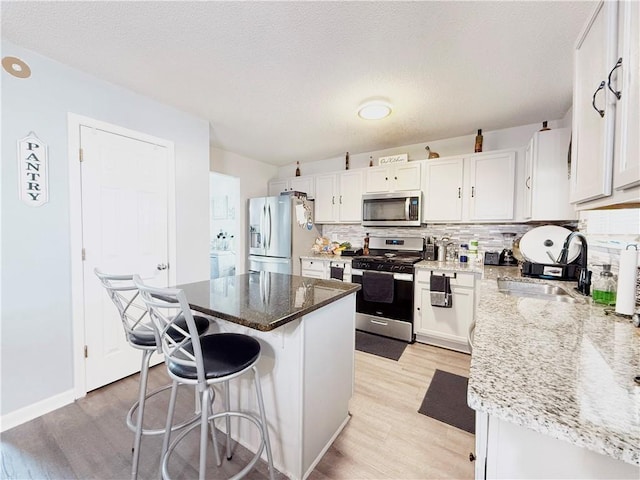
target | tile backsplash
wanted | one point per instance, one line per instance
(489, 236)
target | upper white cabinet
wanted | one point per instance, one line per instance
(401, 176)
(492, 186)
(605, 127)
(443, 190)
(546, 177)
(478, 188)
(304, 184)
(339, 197)
(627, 140)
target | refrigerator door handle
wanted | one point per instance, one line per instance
(270, 232)
(262, 225)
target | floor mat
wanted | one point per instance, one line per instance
(380, 346)
(446, 401)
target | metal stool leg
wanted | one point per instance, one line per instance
(263, 418)
(204, 425)
(212, 427)
(142, 395)
(228, 419)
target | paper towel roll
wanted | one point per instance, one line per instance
(626, 295)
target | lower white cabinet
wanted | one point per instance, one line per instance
(321, 268)
(505, 450)
(314, 268)
(440, 326)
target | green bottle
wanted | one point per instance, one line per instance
(605, 286)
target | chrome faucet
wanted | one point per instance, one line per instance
(584, 280)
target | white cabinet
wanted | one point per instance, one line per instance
(593, 108)
(304, 184)
(321, 267)
(546, 177)
(345, 265)
(492, 184)
(505, 450)
(339, 197)
(444, 327)
(605, 139)
(627, 140)
(401, 176)
(314, 268)
(478, 188)
(443, 190)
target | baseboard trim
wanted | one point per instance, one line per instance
(35, 410)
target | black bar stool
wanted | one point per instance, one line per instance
(204, 361)
(141, 335)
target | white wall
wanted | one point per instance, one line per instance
(253, 177)
(516, 137)
(36, 353)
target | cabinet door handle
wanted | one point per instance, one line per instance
(340, 199)
(395, 178)
(459, 191)
(333, 200)
(473, 192)
(618, 93)
(593, 100)
(386, 178)
(527, 182)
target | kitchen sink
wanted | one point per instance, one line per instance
(543, 291)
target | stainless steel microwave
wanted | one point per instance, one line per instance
(402, 209)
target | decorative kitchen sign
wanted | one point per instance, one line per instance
(33, 170)
(404, 157)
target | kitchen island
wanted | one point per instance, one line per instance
(306, 328)
(553, 387)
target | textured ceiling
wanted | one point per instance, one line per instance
(281, 81)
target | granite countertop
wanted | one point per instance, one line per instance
(326, 257)
(264, 301)
(563, 369)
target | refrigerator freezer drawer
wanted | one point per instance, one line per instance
(269, 264)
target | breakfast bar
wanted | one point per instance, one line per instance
(306, 328)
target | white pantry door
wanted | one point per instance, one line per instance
(124, 230)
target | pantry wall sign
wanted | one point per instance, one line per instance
(33, 170)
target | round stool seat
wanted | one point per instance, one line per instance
(146, 338)
(223, 354)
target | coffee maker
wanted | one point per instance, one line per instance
(506, 256)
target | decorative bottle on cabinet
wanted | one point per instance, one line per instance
(297, 169)
(478, 147)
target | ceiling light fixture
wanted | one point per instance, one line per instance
(374, 111)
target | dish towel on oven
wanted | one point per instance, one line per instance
(441, 291)
(377, 286)
(337, 273)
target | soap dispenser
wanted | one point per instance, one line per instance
(605, 286)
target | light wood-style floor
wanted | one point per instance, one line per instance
(386, 437)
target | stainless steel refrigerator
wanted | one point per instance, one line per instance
(281, 229)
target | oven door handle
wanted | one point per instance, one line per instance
(404, 277)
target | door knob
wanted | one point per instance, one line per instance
(162, 266)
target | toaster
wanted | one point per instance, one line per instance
(492, 258)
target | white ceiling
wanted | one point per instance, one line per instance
(281, 81)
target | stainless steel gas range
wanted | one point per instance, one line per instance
(384, 305)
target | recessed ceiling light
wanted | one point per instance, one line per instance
(374, 111)
(16, 67)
